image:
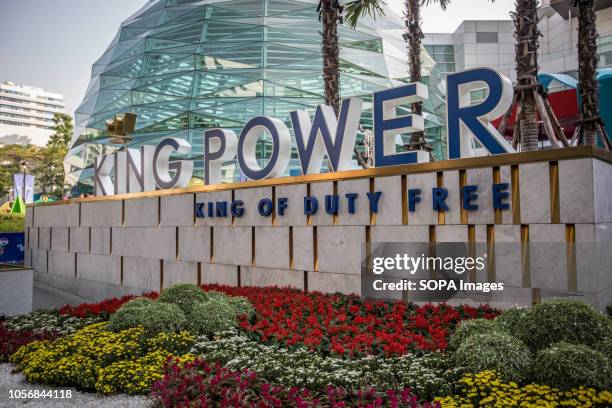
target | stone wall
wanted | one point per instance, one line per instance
(109, 246)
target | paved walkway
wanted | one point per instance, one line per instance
(45, 297)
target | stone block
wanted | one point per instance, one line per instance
(62, 263)
(27, 257)
(100, 241)
(102, 214)
(400, 233)
(143, 273)
(483, 178)
(29, 217)
(33, 238)
(99, 268)
(534, 186)
(180, 271)
(141, 212)
(194, 244)
(44, 238)
(508, 269)
(232, 245)
(79, 239)
(177, 210)
(586, 258)
(423, 213)
(602, 176)
(220, 274)
(61, 215)
(452, 233)
(215, 196)
(319, 191)
(272, 247)
(547, 256)
(334, 282)
(160, 243)
(450, 181)
(340, 249)
(39, 260)
(251, 198)
(576, 196)
(16, 287)
(390, 203)
(362, 204)
(603, 240)
(294, 213)
(60, 238)
(303, 248)
(251, 276)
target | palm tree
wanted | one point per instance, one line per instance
(331, 14)
(590, 120)
(528, 92)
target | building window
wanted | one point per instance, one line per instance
(486, 37)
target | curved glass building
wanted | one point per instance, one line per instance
(184, 66)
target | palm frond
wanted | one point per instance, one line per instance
(443, 3)
(354, 9)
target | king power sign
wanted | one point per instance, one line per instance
(151, 167)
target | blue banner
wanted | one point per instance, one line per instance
(11, 247)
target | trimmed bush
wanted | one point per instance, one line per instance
(605, 347)
(468, 328)
(155, 318)
(125, 318)
(568, 320)
(212, 317)
(241, 305)
(215, 295)
(566, 365)
(137, 302)
(163, 317)
(184, 295)
(512, 319)
(495, 351)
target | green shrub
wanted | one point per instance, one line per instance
(241, 305)
(605, 347)
(137, 302)
(155, 318)
(512, 319)
(184, 295)
(212, 317)
(468, 328)
(127, 317)
(12, 222)
(495, 351)
(569, 320)
(566, 365)
(214, 295)
(163, 317)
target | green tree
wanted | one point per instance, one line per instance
(50, 172)
(13, 158)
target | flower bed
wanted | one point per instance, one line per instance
(348, 326)
(272, 347)
(204, 385)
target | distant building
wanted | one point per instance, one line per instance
(26, 114)
(491, 43)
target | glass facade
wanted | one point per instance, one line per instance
(184, 66)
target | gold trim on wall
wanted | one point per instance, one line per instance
(572, 273)
(555, 211)
(525, 262)
(404, 188)
(457, 164)
(440, 184)
(497, 212)
(516, 194)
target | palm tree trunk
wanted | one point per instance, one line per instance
(527, 35)
(330, 16)
(330, 13)
(587, 71)
(414, 35)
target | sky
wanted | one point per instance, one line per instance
(52, 44)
